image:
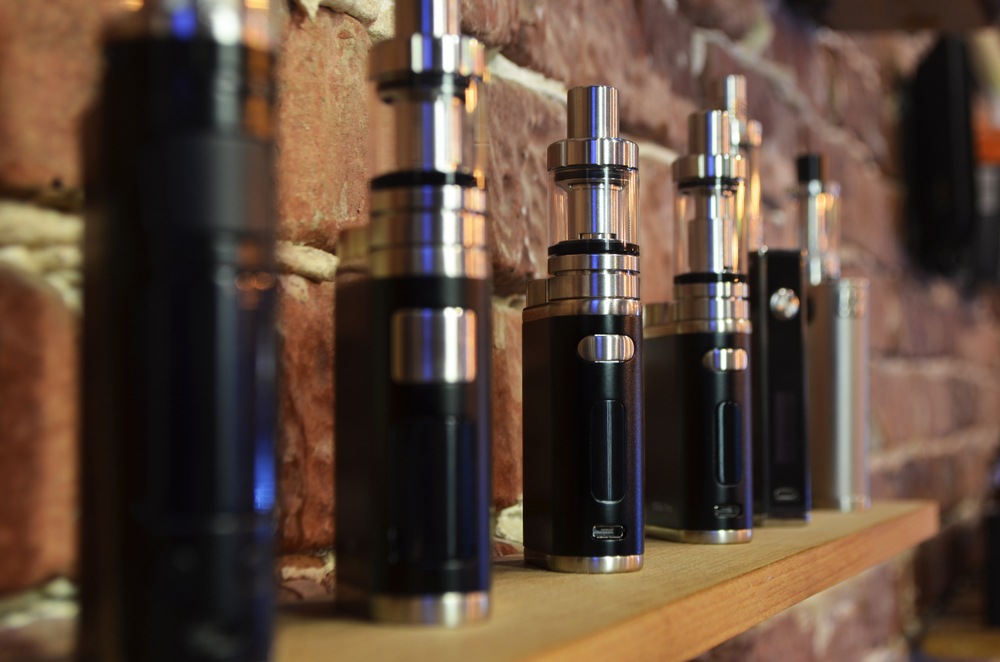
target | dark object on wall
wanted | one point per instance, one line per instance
(939, 162)
(178, 360)
(991, 564)
(697, 357)
(413, 483)
(837, 349)
(583, 451)
(898, 14)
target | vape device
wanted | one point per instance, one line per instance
(778, 360)
(583, 457)
(837, 350)
(178, 360)
(697, 356)
(413, 480)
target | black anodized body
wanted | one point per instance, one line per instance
(698, 435)
(413, 460)
(583, 451)
(178, 361)
(780, 399)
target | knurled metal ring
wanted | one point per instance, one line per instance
(420, 54)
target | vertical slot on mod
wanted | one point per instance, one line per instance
(607, 451)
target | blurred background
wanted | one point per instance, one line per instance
(904, 97)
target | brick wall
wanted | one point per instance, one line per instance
(935, 390)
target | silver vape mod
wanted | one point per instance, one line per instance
(778, 361)
(583, 456)
(413, 486)
(838, 328)
(697, 356)
(178, 359)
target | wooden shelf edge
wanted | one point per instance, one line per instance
(653, 636)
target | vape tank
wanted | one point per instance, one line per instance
(778, 360)
(583, 457)
(413, 339)
(697, 356)
(838, 355)
(178, 360)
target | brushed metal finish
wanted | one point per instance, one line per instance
(448, 261)
(718, 537)
(622, 307)
(418, 53)
(443, 228)
(593, 151)
(597, 284)
(592, 112)
(434, 18)
(726, 359)
(433, 346)
(588, 262)
(699, 326)
(428, 198)
(587, 565)
(448, 609)
(839, 415)
(606, 348)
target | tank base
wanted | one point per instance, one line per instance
(718, 537)
(448, 609)
(585, 565)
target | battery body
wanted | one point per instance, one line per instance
(178, 356)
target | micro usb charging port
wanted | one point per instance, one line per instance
(609, 532)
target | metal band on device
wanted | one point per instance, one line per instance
(586, 565)
(716, 537)
(449, 609)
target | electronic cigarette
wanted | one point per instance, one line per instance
(697, 356)
(583, 457)
(838, 354)
(178, 360)
(413, 341)
(778, 360)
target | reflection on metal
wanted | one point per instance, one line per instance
(433, 346)
(587, 565)
(726, 360)
(719, 537)
(449, 609)
(784, 304)
(606, 348)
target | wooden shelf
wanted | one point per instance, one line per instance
(687, 599)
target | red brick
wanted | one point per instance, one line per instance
(732, 17)
(50, 67)
(322, 114)
(522, 124)
(930, 318)
(494, 22)
(507, 470)
(656, 229)
(579, 42)
(906, 404)
(306, 406)
(38, 432)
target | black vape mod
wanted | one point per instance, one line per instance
(178, 361)
(583, 457)
(837, 349)
(697, 356)
(413, 483)
(778, 360)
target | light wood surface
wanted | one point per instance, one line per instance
(961, 633)
(687, 599)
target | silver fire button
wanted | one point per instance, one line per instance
(784, 304)
(606, 348)
(726, 359)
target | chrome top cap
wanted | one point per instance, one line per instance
(729, 93)
(711, 155)
(592, 132)
(427, 41)
(250, 22)
(431, 18)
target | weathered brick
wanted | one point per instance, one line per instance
(930, 317)
(306, 406)
(735, 18)
(586, 43)
(907, 404)
(38, 432)
(522, 124)
(50, 67)
(494, 22)
(656, 231)
(322, 115)
(507, 471)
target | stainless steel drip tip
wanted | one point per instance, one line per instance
(583, 352)
(698, 484)
(413, 337)
(838, 351)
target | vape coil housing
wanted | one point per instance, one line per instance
(413, 338)
(178, 475)
(838, 352)
(698, 486)
(778, 360)
(583, 454)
